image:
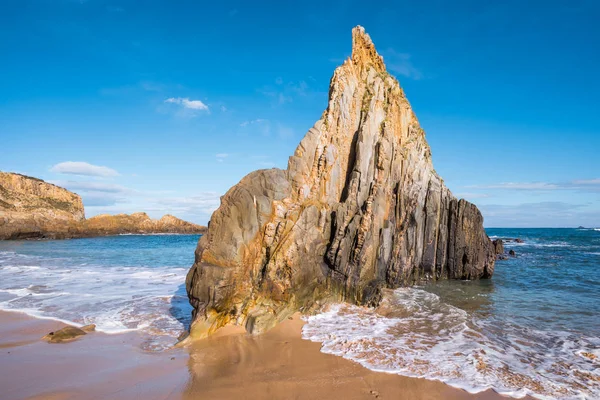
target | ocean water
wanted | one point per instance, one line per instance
(120, 283)
(534, 328)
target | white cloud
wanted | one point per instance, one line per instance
(187, 103)
(83, 168)
(103, 187)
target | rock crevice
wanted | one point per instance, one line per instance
(359, 208)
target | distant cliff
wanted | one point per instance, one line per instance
(359, 208)
(31, 208)
(138, 223)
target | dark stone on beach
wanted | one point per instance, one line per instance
(501, 257)
(498, 246)
(66, 334)
(512, 253)
(517, 240)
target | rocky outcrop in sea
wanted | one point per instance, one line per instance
(359, 208)
(33, 209)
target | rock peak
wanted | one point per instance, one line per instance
(359, 209)
(363, 50)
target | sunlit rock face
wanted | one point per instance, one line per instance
(30, 207)
(33, 209)
(359, 208)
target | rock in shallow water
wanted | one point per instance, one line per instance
(359, 208)
(498, 246)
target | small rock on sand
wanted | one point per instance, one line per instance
(66, 334)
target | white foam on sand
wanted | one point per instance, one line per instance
(116, 299)
(421, 336)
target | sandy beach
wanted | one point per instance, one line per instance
(230, 365)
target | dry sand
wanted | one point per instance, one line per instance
(230, 365)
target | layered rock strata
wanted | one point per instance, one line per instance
(33, 209)
(29, 207)
(359, 208)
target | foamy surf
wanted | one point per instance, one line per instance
(414, 333)
(115, 298)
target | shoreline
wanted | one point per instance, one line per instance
(229, 365)
(48, 236)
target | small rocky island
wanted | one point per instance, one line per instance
(359, 209)
(33, 209)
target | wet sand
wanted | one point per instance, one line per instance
(230, 365)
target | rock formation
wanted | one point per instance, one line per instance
(68, 333)
(31, 208)
(498, 246)
(104, 224)
(359, 208)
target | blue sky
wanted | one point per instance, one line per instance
(161, 106)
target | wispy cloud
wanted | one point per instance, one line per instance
(221, 156)
(401, 63)
(468, 195)
(99, 199)
(153, 86)
(282, 92)
(587, 182)
(202, 204)
(542, 214)
(254, 121)
(83, 169)
(575, 185)
(187, 103)
(104, 187)
(98, 194)
(518, 186)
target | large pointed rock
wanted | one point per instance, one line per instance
(359, 208)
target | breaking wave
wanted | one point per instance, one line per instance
(414, 333)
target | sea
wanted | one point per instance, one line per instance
(533, 329)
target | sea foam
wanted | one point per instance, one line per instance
(414, 333)
(117, 299)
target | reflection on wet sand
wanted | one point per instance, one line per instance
(281, 365)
